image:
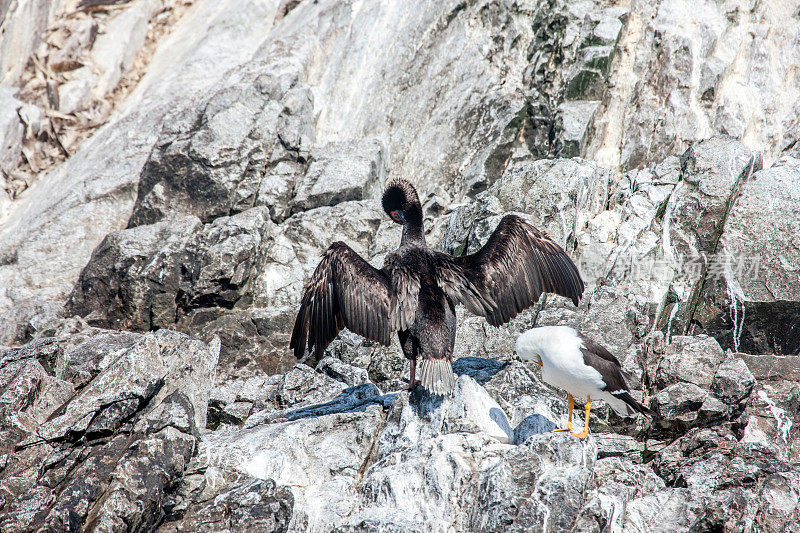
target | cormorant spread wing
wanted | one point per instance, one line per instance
(346, 291)
(515, 266)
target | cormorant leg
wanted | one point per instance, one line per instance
(571, 405)
(412, 382)
(585, 432)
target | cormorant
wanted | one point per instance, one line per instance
(416, 291)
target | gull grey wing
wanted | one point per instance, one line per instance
(509, 274)
(344, 291)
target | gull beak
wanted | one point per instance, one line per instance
(540, 364)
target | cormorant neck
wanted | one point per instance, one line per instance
(413, 229)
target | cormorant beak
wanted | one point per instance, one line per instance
(398, 216)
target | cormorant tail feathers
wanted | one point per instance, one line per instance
(437, 376)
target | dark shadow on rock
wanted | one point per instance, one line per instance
(423, 402)
(499, 418)
(478, 368)
(351, 400)
(532, 425)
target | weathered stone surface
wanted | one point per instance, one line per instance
(341, 172)
(48, 235)
(750, 303)
(210, 160)
(133, 278)
(718, 68)
(295, 248)
(691, 360)
(106, 455)
(347, 374)
(23, 26)
(214, 500)
(733, 381)
(319, 456)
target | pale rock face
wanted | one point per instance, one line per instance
(718, 69)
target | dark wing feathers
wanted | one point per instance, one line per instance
(601, 359)
(598, 351)
(344, 291)
(509, 274)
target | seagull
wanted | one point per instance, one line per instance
(580, 366)
(416, 291)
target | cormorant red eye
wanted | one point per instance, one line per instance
(395, 216)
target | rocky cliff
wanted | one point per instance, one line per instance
(172, 171)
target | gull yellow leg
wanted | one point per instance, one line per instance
(571, 405)
(585, 432)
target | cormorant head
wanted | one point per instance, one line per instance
(401, 203)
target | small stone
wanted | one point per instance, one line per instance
(679, 402)
(733, 381)
(347, 374)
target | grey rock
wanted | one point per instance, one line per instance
(733, 381)
(261, 111)
(227, 501)
(714, 409)
(341, 172)
(257, 137)
(771, 417)
(518, 492)
(290, 452)
(689, 360)
(254, 341)
(117, 444)
(79, 202)
(144, 262)
(750, 302)
(170, 272)
(718, 471)
(575, 119)
(293, 251)
(24, 25)
(302, 386)
(528, 187)
(347, 374)
(679, 403)
(114, 50)
(530, 403)
(11, 131)
(616, 483)
(692, 71)
(74, 95)
(623, 446)
(276, 189)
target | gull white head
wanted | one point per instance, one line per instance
(528, 346)
(541, 345)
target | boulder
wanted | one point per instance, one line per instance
(340, 172)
